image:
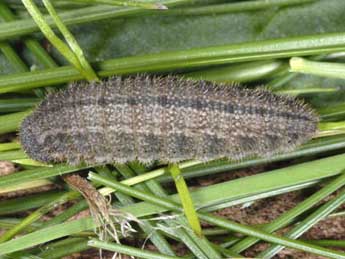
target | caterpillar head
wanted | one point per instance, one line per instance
(29, 135)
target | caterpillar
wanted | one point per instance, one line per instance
(168, 118)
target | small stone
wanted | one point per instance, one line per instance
(6, 168)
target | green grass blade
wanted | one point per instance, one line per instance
(66, 214)
(220, 166)
(163, 202)
(36, 174)
(16, 105)
(178, 227)
(327, 242)
(156, 237)
(332, 113)
(73, 44)
(9, 146)
(186, 200)
(272, 238)
(12, 56)
(265, 182)
(234, 7)
(45, 235)
(33, 45)
(335, 162)
(63, 248)
(128, 250)
(199, 245)
(326, 69)
(27, 202)
(245, 187)
(24, 186)
(251, 51)
(34, 216)
(12, 155)
(249, 71)
(287, 217)
(149, 175)
(83, 15)
(51, 36)
(140, 4)
(307, 223)
(12, 121)
(339, 125)
(7, 223)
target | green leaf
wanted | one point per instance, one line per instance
(307, 223)
(27, 202)
(260, 183)
(119, 38)
(36, 174)
(44, 235)
(128, 250)
(186, 200)
(171, 205)
(286, 217)
(11, 121)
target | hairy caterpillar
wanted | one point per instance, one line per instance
(163, 118)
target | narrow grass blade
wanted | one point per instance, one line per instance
(24, 186)
(332, 113)
(16, 29)
(199, 246)
(33, 45)
(7, 223)
(66, 214)
(168, 204)
(12, 56)
(73, 44)
(51, 36)
(198, 57)
(253, 185)
(248, 71)
(27, 202)
(339, 125)
(34, 216)
(288, 216)
(28, 161)
(128, 250)
(16, 105)
(36, 174)
(140, 4)
(9, 146)
(13, 155)
(186, 200)
(220, 166)
(45, 235)
(233, 7)
(326, 69)
(327, 242)
(63, 248)
(11, 121)
(155, 236)
(149, 175)
(307, 223)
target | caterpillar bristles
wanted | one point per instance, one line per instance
(163, 118)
